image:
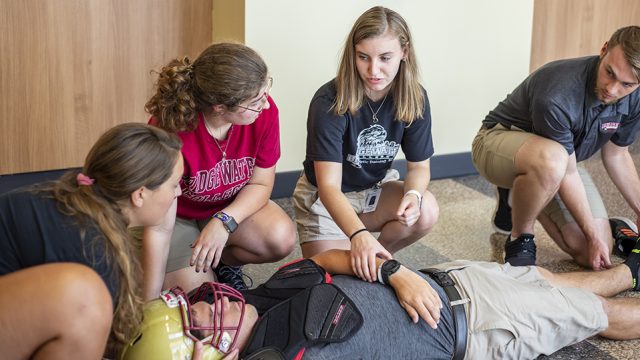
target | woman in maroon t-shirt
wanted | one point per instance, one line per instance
(219, 105)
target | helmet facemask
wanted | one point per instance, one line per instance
(221, 337)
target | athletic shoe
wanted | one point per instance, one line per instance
(232, 276)
(625, 235)
(633, 262)
(521, 251)
(502, 213)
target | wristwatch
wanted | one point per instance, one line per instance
(228, 221)
(387, 269)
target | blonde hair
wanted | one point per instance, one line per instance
(224, 74)
(629, 40)
(124, 159)
(406, 90)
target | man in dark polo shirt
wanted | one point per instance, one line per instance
(531, 143)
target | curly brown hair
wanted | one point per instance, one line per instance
(223, 74)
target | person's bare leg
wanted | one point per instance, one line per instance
(552, 229)
(540, 164)
(54, 311)
(266, 236)
(571, 239)
(624, 317)
(605, 283)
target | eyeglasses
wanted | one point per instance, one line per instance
(263, 98)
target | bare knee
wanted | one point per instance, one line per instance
(546, 160)
(281, 240)
(429, 214)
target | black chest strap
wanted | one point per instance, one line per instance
(457, 308)
(320, 314)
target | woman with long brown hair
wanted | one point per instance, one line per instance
(357, 123)
(70, 270)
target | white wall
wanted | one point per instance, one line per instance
(471, 53)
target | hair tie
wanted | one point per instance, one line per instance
(84, 180)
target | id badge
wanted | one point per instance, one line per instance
(371, 201)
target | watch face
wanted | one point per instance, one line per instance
(390, 266)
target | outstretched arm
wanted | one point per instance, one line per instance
(414, 293)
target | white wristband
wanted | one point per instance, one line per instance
(417, 194)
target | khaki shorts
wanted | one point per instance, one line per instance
(517, 314)
(312, 218)
(493, 153)
(184, 234)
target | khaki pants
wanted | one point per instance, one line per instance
(514, 313)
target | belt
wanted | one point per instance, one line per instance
(457, 309)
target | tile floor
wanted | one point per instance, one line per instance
(464, 232)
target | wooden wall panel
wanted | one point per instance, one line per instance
(70, 69)
(228, 21)
(571, 28)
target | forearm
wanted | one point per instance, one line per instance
(156, 242)
(418, 177)
(249, 200)
(155, 251)
(338, 262)
(623, 173)
(340, 210)
(254, 195)
(574, 197)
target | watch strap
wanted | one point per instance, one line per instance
(227, 220)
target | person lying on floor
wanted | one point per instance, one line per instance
(463, 309)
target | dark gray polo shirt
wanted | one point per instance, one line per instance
(558, 101)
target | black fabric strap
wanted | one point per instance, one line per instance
(457, 308)
(356, 233)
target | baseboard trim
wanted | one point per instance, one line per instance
(442, 167)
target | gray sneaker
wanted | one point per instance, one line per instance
(625, 235)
